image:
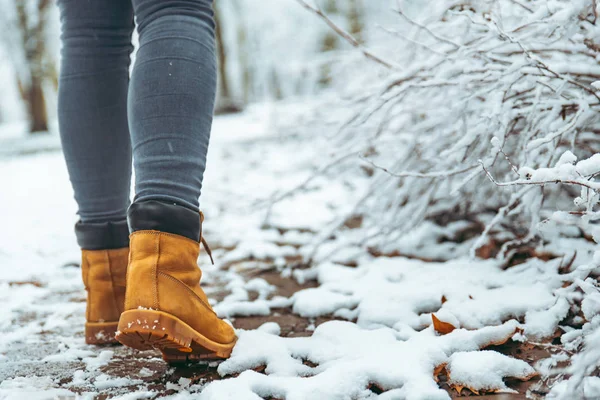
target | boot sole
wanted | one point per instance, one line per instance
(100, 332)
(177, 341)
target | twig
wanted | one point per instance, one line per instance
(346, 35)
(551, 346)
(426, 29)
(423, 45)
(410, 174)
(553, 135)
(512, 166)
(502, 212)
(522, 5)
(590, 185)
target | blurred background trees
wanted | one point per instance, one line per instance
(274, 51)
(29, 53)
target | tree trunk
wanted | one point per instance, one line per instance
(355, 18)
(330, 40)
(36, 105)
(225, 103)
(32, 26)
(221, 56)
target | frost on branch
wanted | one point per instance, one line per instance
(503, 86)
(482, 128)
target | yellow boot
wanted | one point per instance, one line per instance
(104, 274)
(165, 307)
(104, 258)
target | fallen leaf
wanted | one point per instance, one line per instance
(460, 388)
(457, 388)
(440, 369)
(441, 327)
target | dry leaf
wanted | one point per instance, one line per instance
(438, 371)
(459, 389)
(441, 327)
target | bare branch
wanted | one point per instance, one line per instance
(346, 35)
(409, 174)
(426, 29)
(590, 185)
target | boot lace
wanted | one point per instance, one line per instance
(208, 250)
(203, 241)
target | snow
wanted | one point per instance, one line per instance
(104, 381)
(144, 372)
(589, 166)
(243, 308)
(270, 327)
(447, 317)
(317, 302)
(102, 359)
(543, 323)
(589, 390)
(566, 158)
(484, 370)
(34, 388)
(348, 359)
(137, 395)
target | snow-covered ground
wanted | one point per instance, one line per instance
(380, 342)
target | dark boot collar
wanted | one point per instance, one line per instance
(165, 217)
(102, 235)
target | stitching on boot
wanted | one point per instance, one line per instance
(209, 308)
(160, 233)
(86, 281)
(127, 295)
(155, 289)
(112, 281)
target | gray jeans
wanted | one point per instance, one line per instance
(163, 115)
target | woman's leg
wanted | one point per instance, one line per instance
(171, 99)
(92, 112)
(92, 105)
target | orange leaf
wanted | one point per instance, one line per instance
(441, 326)
(437, 371)
(459, 389)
